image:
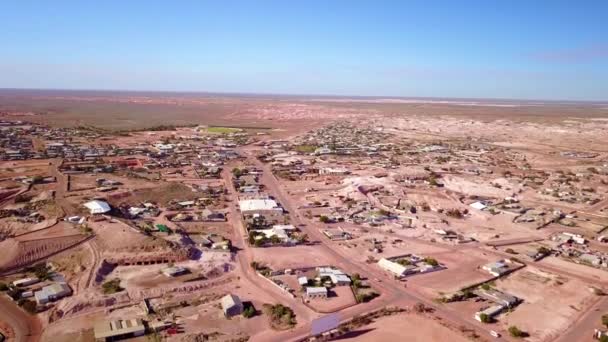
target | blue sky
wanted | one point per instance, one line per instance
(507, 49)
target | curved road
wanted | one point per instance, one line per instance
(27, 328)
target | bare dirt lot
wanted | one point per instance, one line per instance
(404, 327)
(550, 303)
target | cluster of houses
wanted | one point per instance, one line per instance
(575, 247)
(43, 292)
(327, 277)
(265, 219)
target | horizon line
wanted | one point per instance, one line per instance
(327, 96)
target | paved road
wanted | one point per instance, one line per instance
(27, 328)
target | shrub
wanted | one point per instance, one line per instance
(516, 332)
(366, 297)
(111, 286)
(280, 315)
(249, 311)
(431, 262)
(484, 318)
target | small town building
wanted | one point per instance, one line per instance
(498, 297)
(316, 292)
(118, 329)
(478, 205)
(231, 305)
(258, 205)
(497, 268)
(395, 268)
(52, 292)
(25, 281)
(98, 207)
(491, 312)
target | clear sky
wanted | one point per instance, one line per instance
(498, 49)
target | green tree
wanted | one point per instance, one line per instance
(484, 318)
(431, 262)
(324, 219)
(3, 287)
(249, 311)
(275, 239)
(605, 320)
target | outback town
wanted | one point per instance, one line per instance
(445, 227)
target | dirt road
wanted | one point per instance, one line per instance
(27, 328)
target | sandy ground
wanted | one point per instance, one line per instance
(113, 235)
(550, 302)
(291, 257)
(339, 298)
(404, 327)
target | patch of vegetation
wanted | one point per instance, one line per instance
(28, 305)
(404, 262)
(455, 213)
(517, 333)
(305, 148)
(237, 173)
(431, 261)
(223, 130)
(484, 318)
(366, 296)
(111, 286)
(281, 317)
(544, 250)
(14, 293)
(249, 310)
(324, 219)
(3, 287)
(261, 268)
(41, 271)
(356, 280)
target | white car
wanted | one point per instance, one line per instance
(494, 333)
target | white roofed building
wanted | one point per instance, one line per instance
(258, 205)
(98, 207)
(395, 268)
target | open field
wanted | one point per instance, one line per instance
(550, 302)
(405, 327)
